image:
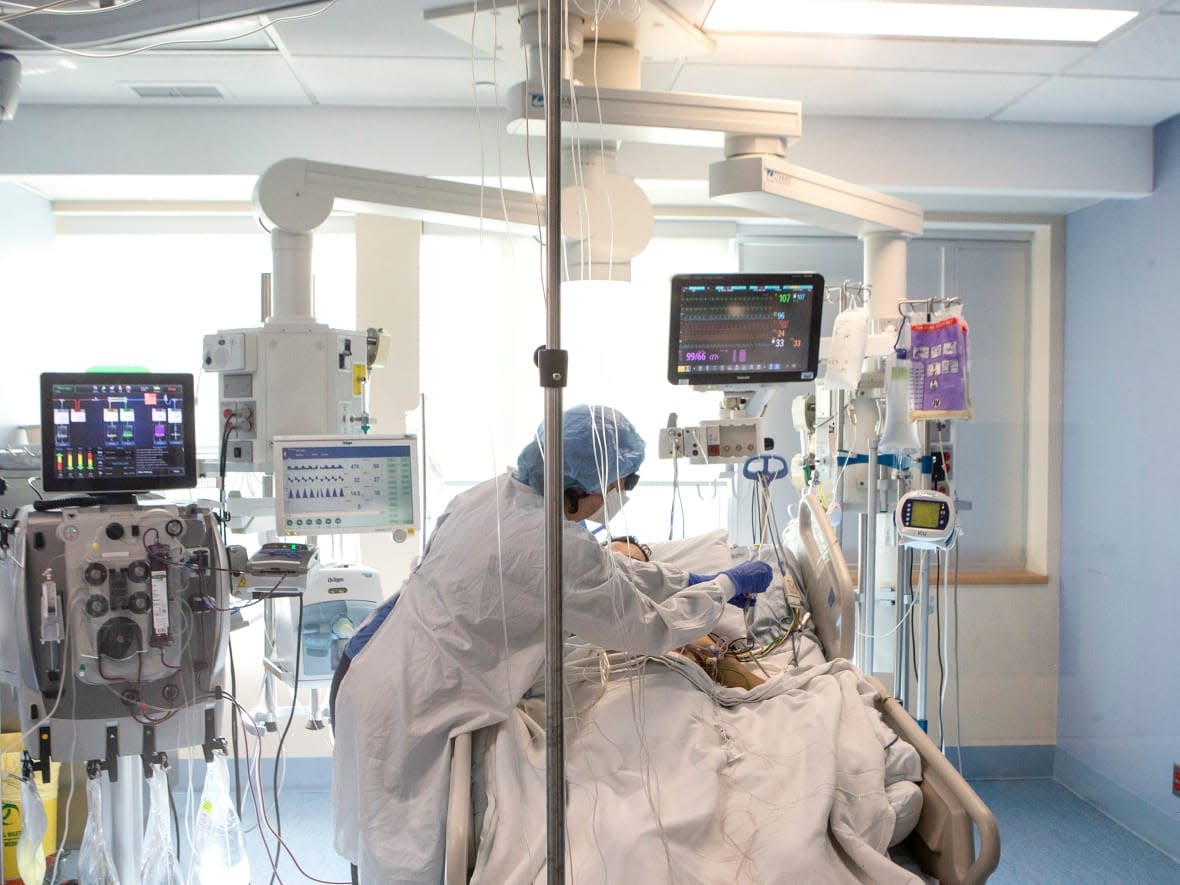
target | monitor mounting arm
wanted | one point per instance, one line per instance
(295, 196)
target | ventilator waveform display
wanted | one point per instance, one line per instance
(117, 432)
(343, 484)
(729, 329)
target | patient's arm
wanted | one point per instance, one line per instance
(725, 669)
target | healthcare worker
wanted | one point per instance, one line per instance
(466, 638)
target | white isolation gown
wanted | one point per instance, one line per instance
(464, 643)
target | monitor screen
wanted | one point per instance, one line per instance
(329, 485)
(117, 432)
(732, 330)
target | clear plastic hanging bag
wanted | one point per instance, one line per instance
(30, 855)
(160, 866)
(219, 849)
(95, 864)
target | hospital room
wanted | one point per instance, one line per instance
(601, 441)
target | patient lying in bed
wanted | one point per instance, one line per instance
(710, 653)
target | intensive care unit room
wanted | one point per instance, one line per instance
(595, 442)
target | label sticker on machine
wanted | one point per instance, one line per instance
(160, 603)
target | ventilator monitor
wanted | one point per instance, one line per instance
(329, 485)
(105, 432)
(737, 330)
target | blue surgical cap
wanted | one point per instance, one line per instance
(600, 445)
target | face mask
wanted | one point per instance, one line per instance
(612, 503)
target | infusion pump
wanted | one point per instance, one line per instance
(926, 519)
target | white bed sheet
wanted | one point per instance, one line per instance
(673, 778)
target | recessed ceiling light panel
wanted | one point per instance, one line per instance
(876, 18)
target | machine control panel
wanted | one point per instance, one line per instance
(925, 519)
(126, 616)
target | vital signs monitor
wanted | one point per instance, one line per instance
(741, 329)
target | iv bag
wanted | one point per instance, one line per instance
(900, 436)
(95, 864)
(939, 368)
(159, 861)
(219, 851)
(846, 351)
(30, 856)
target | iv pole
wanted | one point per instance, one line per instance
(552, 364)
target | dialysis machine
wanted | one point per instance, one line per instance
(120, 599)
(124, 597)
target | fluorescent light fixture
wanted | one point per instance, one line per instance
(875, 18)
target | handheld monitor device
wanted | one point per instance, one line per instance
(109, 432)
(730, 330)
(332, 485)
(925, 519)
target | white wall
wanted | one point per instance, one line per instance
(1119, 723)
(26, 243)
(950, 165)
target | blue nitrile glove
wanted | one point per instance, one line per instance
(699, 579)
(749, 579)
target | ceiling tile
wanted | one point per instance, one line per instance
(243, 77)
(1097, 100)
(405, 82)
(1150, 49)
(864, 92)
(371, 28)
(894, 54)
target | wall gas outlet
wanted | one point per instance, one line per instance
(671, 444)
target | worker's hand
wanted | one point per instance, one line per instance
(749, 579)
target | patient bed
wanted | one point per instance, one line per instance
(955, 839)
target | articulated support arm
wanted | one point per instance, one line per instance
(297, 195)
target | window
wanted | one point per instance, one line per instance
(483, 315)
(123, 296)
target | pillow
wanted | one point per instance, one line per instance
(705, 554)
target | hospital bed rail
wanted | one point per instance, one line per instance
(943, 842)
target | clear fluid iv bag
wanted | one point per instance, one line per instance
(219, 850)
(30, 855)
(95, 864)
